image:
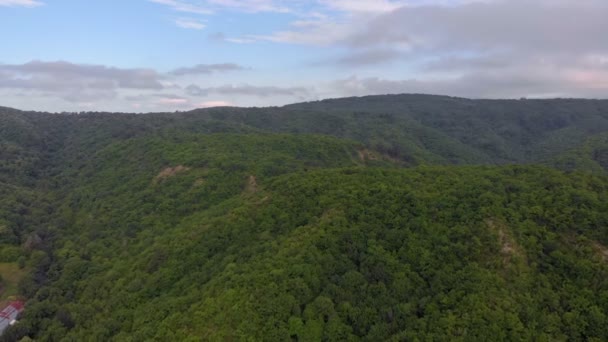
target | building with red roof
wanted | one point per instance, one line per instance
(8, 315)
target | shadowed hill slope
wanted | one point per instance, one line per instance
(414, 128)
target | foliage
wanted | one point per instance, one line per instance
(592, 155)
(267, 224)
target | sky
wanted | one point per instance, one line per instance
(168, 55)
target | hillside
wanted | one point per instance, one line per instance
(511, 131)
(375, 218)
(418, 129)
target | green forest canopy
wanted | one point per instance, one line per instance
(376, 218)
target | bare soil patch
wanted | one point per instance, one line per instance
(170, 172)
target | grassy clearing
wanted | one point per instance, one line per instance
(11, 275)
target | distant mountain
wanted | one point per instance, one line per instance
(496, 131)
(414, 128)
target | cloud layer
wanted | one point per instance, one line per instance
(475, 49)
(469, 48)
(76, 82)
(247, 90)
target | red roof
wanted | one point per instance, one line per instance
(17, 304)
(11, 308)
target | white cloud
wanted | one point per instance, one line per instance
(534, 80)
(515, 24)
(85, 83)
(206, 69)
(76, 82)
(489, 48)
(190, 23)
(169, 101)
(181, 6)
(240, 40)
(209, 104)
(21, 3)
(247, 90)
(252, 6)
(367, 6)
(322, 32)
(210, 6)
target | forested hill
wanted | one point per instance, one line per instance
(495, 131)
(414, 128)
(406, 217)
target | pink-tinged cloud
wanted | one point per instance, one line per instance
(590, 79)
(208, 104)
(174, 102)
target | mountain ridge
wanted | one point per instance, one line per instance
(414, 128)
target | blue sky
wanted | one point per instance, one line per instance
(75, 55)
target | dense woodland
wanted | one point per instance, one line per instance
(399, 218)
